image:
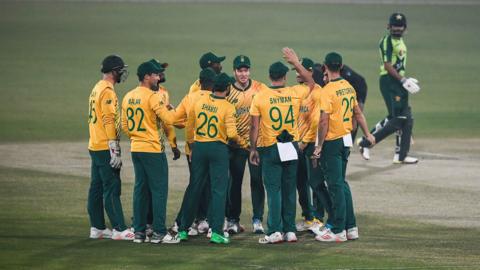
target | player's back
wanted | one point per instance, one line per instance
(212, 116)
(279, 109)
(338, 99)
(102, 100)
(141, 120)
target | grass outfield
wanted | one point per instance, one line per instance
(50, 55)
(43, 226)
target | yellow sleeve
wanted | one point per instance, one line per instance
(190, 126)
(108, 101)
(181, 113)
(171, 135)
(254, 110)
(168, 117)
(124, 119)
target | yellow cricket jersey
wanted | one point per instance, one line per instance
(103, 117)
(305, 107)
(213, 119)
(338, 99)
(195, 87)
(184, 109)
(314, 116)
(167, 131)
(242, 100)
(140, 109)
(278, 109)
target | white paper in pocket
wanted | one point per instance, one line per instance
(287, 151)
(347, 140)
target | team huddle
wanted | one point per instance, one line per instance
(294, 138)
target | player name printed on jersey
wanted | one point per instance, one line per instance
(209, 108)
(133, 101)
(277, 100)
(343, 92)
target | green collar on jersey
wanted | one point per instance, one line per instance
(216, 97)
(248, 87)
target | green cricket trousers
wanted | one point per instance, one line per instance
(280, 183)
(151, 175)
(207, 158)
(238, 159)
(333, 160)
(105, 191)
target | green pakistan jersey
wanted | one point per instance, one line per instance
(394, 51)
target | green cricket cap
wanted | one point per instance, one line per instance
(333, 59)
(222, 82)
(241, 61)
(160, 66)
(207, 74)
(210, 58)
(147, 68)
(307, 63)
(277, 70)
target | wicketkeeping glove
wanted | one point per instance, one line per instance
(115, 155)
(411, 85)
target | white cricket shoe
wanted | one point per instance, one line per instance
(290, 237)
(171, 239)
(352, 233)
(316, 226)
(258, 227)
(303, 225)
(203, 226)
(407, 160)
(273, 238)
(174, 228)
(100, 234)
(126, 234)
(192, 231)
(233, 227)
(364, 151)
(148, 233)
(209, 233)
(326, 235)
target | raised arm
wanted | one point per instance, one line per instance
(291, 57)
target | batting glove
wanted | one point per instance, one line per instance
(411, 85)
(115, 155)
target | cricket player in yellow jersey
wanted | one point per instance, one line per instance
(184, 109)
(304, 191)
(167, 131)
(208, 60)
(241, 94)
(274, 114)
(141, 109)
(104, 148)
(213, 119)
(338, 104)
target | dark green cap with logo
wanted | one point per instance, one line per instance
(210, 58)
(241, 61)
(277, 70)
(333, 60)
(207, 75)
(222, 82)
(307, 63)
(159, 65)
(147, 68)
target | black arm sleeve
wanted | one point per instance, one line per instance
(357, 81)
